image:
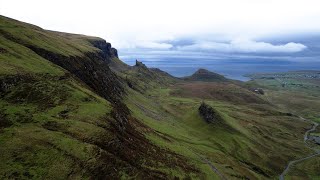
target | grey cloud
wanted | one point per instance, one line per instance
(244, 46)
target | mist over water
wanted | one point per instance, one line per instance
(233, 68)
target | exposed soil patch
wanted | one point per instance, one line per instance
(42, 91)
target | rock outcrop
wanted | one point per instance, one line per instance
(140, 64)
(106, 48)
(208, 113)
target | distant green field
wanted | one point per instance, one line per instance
(294, 93)
(298, 93)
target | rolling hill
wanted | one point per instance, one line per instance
(206, 76)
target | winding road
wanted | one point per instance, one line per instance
(317, 152)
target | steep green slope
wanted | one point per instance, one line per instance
(61, 111)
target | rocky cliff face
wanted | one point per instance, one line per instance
(94, 71)
(107, 49)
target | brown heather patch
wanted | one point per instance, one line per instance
(216, 91)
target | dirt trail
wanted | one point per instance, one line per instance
(213, 168)
(317, 152)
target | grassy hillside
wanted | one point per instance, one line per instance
(53, 123)
(69, 108)
(253, 141)
(30, 35)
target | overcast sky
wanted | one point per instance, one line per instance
(237, 26)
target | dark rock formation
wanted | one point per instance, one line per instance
(140, 64)
(107, 49)
(208, 113)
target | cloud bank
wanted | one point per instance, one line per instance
(145, 23)
(233, 46)
(196, 28)
(244, 46)
(153, 45)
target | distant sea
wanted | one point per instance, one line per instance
(233, 69)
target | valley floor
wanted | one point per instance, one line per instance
(254, 140)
